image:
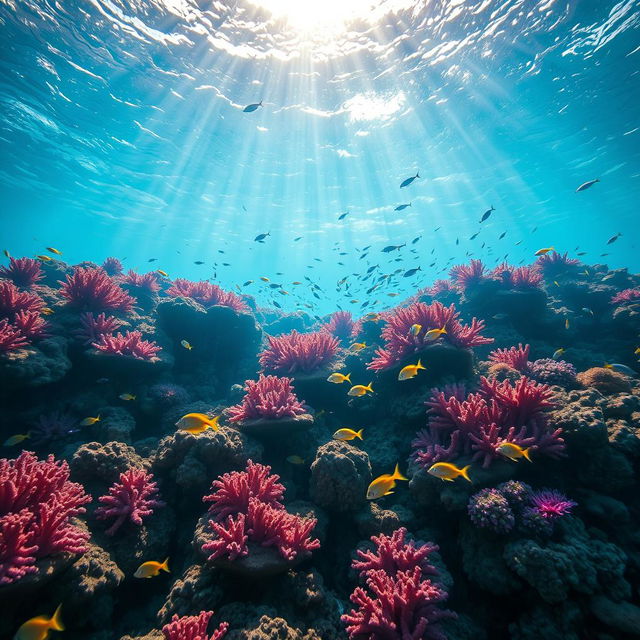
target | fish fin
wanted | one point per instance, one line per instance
(448, 479)
(419, 365)
(165, 565)
(388, 493)
(213, 423)
(607, 366)
(369, 388)
(417, 174)
(359, 434)
(348, 378)
(525, 453)
(56, 620)
(98, 418)
(397, 475)
(464, 472)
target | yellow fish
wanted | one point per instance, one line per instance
(47, 311)
(557, 353)
(411, 371)
(347, 434)
(162, 273)
(383, 484)
(433, 334)
(196, 423)
(87, 422)
(447, 471)
(52, 250)
(357, 346)
(637, 352)
(38, 628)
(339, 378)
(126, 396)
(45, 258)
(294, 459)
(296, 282)
(514, 451)
(586, 272)
(566, 323)
(359, 390)
(415, 329)
(151, 568)
(186, 345)
(541, 252)
(17, 439)
(556, 283)
(264, 279)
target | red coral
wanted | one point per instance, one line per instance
(207, 294)
(129, 344)
(31, 325)
(11, 338)
(92, 327)
(625, 296)
(12, 300)
(23, 272)
(193, 628)
(299, 352)
(554, 262)
(133, 498)
(230, 538)
(341, 325)
(440, 287)
(232, 491)
(112, 266)
(90, 288)
(147, 282)
(270, 397)
(400, 341)
(37, 501)
(516, 357)
(468, 275)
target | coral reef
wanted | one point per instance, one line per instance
(299, 352)
(91, 289)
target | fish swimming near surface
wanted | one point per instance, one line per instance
(411, 272)
(487, 213)
(411, 371)
(38, 628)
(359, 390)
(196, 423)
(87, 422)
(347, 434)
(6, 253)
(44, 258)
(54, 250)
(402, 207)
(250, 108)
(448, 471)
(16, 439)
(383, 485)
(408, 181)
(339, 378)
(393, 247)
(586, 185)
(342, 216)
(514, 451)
(162, 273)
(151, 569)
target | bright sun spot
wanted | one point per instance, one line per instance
(312, 15)
(373, 106)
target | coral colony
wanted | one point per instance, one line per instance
(148, 393)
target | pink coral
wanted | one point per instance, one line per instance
(91, 289)
(23, 272)
(625, 296)
(129, 344)
(207, 294)
(554, 262)
(400, 341)
(551, 504)
(37, 501)
(440, 287)
(93, 327)
(516, 357)
(31, 325)
(146, 283)
(12, 300)
(231, 492)
(468, 275)
(193, 628)
(229, 538)
(112, 266)
(526, 277)
(270, 397)
(341, 325)
(299, 352)
(11, 338)
(133, 498)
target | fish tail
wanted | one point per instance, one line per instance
(417, 174)
(526, 453)
(213, 424)
(165, 565)
(464, 472)
(56, 621)
(359, 434)
(348, 378)
(98, 418)
(397, 475)
(369, 388)
(419, 365)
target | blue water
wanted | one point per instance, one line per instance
(122, 133)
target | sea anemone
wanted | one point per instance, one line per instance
(299, 352)
(551, 504)
(23, 272)
(91, 289)
(468, 275)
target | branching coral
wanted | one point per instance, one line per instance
(341, 325)
(128, 344)
(626, 296)
(12, 300)
(11, 338)
(207, 294)
(93, 327)
(468, 275)
(91, 289)
(133, 499)
(400, 341)
(23, 272)
(269, 397)
(31, 325)
(144, 283)
(193, 628)
(526, 277)
(516, 357)
(299, 352)
(112, 266)
(554, 262)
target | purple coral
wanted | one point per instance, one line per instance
(52, 426)
(626, 296)
(551, 504)
(207, 294)
(516, 357)
(132, 499)
(112, 266)
(193, 628)
(526, 277)
(341, 325)
(400, 341)
(23, 272)
(37, 501)
(516, 492)
(490, 509)
(553, 372)
(91, 289)
(299, 352)
(269, 397)
(11, 339)
(93, 327)
(128, 344)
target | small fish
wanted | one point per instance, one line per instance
(408, 181)
(514, 451)
(637, 352)
(261, 236)
(585, 185)
(339, 378)
(186, 345)
(198, 262)
(612, 239)
(383, 485)
(247, 283)
(448, 471)
(502, 235)
(415, 329)
(126, 396)
(411, 371)
(393, 247)
(566, 323)
(298, 238)
(434, 334)
(45, 258)
(347, 434)
(585, 272)
(264, 278)
(55, 251)
(152, 259)
(151, 568)
(38, 628)
(343, 216)
(556, 283)
(196, 423)
(621, 368)
(294, 459)
(162, 273)
(402, 207)
(356, 347)
(608, 277)
(587, 310)
(47, 311)
(541, 252)
(557, 353)
(360, 390)
(250, 108)
(87, 422)
(487, 213)
(411, 272)
(17, 439)
(6, 253)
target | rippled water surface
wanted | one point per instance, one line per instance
(123, 133)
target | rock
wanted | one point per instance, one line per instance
(621, 616)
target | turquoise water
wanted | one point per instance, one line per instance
(123, 133)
